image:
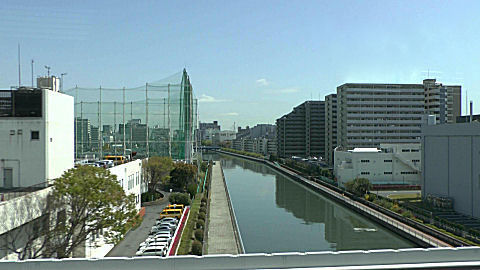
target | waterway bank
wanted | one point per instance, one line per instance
(408, 232)
(223, 237)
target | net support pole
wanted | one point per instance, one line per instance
(100, 137)
(146, 120)
(124, 143)
(169, 125)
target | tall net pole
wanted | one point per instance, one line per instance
(100, 140)
(114, 127)
(124, 144)
(146, 118)
(169, 125)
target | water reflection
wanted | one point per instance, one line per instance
(276, 214)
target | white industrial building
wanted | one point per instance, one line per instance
(389, 164)
(36, 136)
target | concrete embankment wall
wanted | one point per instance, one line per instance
(409, 229)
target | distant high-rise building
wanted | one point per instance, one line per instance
(302, 132)
(371, 114)
(330, 126)
(83, 134)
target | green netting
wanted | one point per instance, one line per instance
(158, 118)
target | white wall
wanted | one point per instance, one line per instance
(36, 161)
(375, 166)
(59, 137)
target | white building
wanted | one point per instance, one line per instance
(129, 176)
(218, 136)
(391, 164)
(36, 136)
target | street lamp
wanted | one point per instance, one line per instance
(61, 81)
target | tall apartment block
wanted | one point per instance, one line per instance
(330, 126)
(443, 101)
(371, 114)
(302, 132)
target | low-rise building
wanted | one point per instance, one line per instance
(451, 165)
(389, 164)
(36, 136)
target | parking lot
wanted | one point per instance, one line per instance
(129, 245)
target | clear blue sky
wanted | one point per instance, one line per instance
(249, 61)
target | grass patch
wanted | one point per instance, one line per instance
(404, 196)
(452, 235)
(137, 224)
(186, 241)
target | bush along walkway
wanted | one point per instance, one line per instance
(194, 230)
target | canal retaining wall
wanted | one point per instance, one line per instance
(409, 229)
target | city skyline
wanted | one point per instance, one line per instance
(250, 62)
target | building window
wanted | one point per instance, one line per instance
(405, 150)
(387, 172)
(365, 173)
(12, 132)
(365, 160)
(415, 160)
(415, 150)
(35, 135)
(387, 160)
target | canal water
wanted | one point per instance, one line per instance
(276, 214)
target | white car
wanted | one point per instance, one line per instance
(157, 245)
(152, 251)
(161, 229)
(169, 219)
(150, 242)
(170, 223)
(161, 234)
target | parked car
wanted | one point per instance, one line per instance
(105, 163)
(167, 219)
(149, 241)
(171, 225)
(162, 233)
(155, 244)
(152, 251)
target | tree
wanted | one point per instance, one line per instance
(359, 186)
(83, 202)
(157, 169)
(183, 174)
(206, 142)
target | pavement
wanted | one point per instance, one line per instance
(221, 237)
(129, 245)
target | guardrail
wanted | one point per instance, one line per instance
(8, 194)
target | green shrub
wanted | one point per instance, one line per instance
(204, 200)
(200, 224)
(199, 234)
(203, 210)
(197, 248)
(192, 189)
(201, 216)
(203, 204)
(179, 198)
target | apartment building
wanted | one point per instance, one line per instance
(330, 127)
(371, 114)
(389, 164)
(302, 131)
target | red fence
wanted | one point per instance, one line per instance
(178, 233)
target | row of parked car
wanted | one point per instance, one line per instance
(161, 234)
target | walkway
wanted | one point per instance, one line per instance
(129, 245)
(221, 236)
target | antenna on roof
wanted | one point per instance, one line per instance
(19, 72)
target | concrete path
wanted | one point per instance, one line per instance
(132, 240)
(221, 237)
